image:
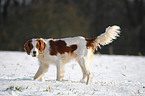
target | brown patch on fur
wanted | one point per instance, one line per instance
(90, 44)
(61, 47)
(28, 47)
(40, 45)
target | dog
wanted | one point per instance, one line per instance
(61, 51)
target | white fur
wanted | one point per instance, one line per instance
(110, 34)
(82, 54)
(34, 48)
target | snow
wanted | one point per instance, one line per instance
(113, 75)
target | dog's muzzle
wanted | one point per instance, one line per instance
(34, 54)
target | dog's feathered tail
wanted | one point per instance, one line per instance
(111, 33)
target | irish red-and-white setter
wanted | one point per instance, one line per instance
(61, 51)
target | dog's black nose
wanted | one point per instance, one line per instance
(34, 52)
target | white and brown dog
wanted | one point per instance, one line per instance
(61, 51)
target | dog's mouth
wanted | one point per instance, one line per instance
(34, 55)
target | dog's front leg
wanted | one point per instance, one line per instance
(60, 71)
(40, 73)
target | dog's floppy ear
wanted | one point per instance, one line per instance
(28, 47)
(41, 45)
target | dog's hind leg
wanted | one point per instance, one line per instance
(83, 80)
(41, 71)
(85, 69)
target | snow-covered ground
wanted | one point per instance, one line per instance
(113, 75)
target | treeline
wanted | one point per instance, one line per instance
(21, 20)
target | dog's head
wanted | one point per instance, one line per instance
(35, 47)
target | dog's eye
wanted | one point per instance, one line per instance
(37, 45)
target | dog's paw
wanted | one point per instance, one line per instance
(89, 80)
(59, 79)
(42, 79)
(83, 80)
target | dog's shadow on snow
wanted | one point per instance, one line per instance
(63, 81)
(18, 79)
(30, 78)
